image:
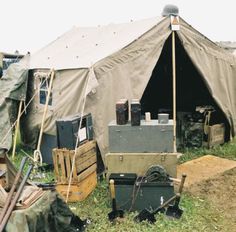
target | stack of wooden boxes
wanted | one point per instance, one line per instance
(84, 177)
(134, 147)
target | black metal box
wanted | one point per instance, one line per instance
(49, 142)
(67, 130)
(134, 194)
(135, 112)
(122, 112)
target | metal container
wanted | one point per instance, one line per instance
(148, 137)
(122, 111)
(67, 129)
(135, 195)
(135, 112)
(139, 163)
(163, 118)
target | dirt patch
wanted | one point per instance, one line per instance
(213, 179)
(220, 191)
(204, 168)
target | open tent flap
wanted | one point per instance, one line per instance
(216, 66)
(202, 79)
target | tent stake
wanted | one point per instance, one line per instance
(174, 90)
(17, 129)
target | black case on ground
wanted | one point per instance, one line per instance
(134, 194)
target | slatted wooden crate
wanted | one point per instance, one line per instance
(216, 135)
(84, 178)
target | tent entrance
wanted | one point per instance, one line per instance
(191, 90)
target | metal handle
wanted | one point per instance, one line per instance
(165, 203)
(112, 188)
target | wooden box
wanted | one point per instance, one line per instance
(139, 163)
(7, 172)
(84, 177)
(216, 135)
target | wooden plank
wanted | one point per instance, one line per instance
(3, 182)
(3, 196)
(86, 164)
(87, 172)
(86, 154)
(55, 164)
(68, 165)
(62, 166)
(79, 161)
(86, 147)
(81, 191)
(74, 174)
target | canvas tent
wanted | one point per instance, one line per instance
(128, 60)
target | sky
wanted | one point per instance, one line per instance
(29, 25)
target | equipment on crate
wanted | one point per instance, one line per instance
(135, 112)
(122, 111)
(67, 129)
(156, 173)
(115, 213)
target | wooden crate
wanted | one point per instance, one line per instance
(139, 163)
(7, 179)
(216, 135)
(79, 191)
(84, 178)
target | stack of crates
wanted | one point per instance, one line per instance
(137, 144)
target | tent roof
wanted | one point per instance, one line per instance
(83, 46)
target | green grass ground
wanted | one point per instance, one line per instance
(199, 213)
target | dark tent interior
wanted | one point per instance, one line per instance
(191, 91)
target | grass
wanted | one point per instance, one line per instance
(199, 214)
(227, 151)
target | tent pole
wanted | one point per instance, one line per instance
(174, 90)
(16, 129)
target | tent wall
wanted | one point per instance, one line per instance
(124, 74)
(67, 94)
